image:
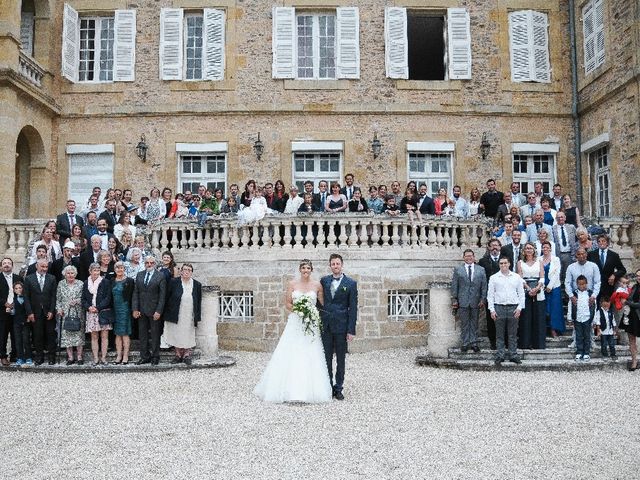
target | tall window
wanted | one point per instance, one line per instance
(96, 49)
(203, 169)
(27, 25)
(427, 46)
(316, 46)
(432, 169)
(529, 168)
(89, 166)
(193, 46)
(315, 166)
(602, 173)
(593, 34)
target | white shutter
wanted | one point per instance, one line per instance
(598, 24)
(588, 32)
(171, 43)
(348, 41)
(26, 32)
(70, 43)
(519, 44)
(88, 170)
(540, 48)
(283, 42)
(124, 46)
(214, 31)
(458, 27)
(396, 45)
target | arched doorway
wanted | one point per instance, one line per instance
(29, 155)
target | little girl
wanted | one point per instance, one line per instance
(22, 330)
(622, 292)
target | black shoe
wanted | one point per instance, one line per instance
(70, 362)
(498, 361)
(464, 349)
(493, 346)
(476, 349)
(142, 361)
(187, 360)
(155, 361)
(338, 395)
(52, 361)
(176, 360)
(515, 360)
(80, 362)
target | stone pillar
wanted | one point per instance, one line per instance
(207, 333)
(442, 324)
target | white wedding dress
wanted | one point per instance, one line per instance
(297, 371)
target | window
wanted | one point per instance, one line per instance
(202, 164)
(192, 44)
(89, 166)
(98, 49)
(600, 160)
(529, 45)
(422, 45)
(236, 307)
(315, 161)
(316, 46)
(27, 25)
(593, 34)
(529, 168)
(432, 169)
(407, 304)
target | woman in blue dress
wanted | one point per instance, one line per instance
(552, 290)
(122, 291)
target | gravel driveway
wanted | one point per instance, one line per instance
(398, 421)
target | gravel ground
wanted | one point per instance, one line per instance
(398, 421)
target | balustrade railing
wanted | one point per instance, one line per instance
(30, 69)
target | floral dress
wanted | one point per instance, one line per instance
(68, 293)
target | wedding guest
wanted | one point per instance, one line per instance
(491, 199)
(230, 206)
(69, 304)
(91, 226)
(609, 264)
(169, 268)
(461, 206)
(53, 246)
(40, 306)
(249, 193)
(390, 207)
(530, 207)
(280, 201)
(505, 209)
(77, 237)
(553, 290)
(564, 236)
(109, 215)
(585, 268)
(67, 259)
(121, 295)
(349, 187)
(475, 207)
(156, 208)
(166, 198)
(468, 291)
(532, 325)
(441, 201)
(269, 194)
(632, 327)
(572, 212)
(105, 260)
(538, 223)
(584, 240)
(294, 201)
(358, 204)
(208, 207)
(92, 207)
(425, 202)
(134, 264)
(514, 249)
(491, 266)
(179, 208)
(148, 304)
(307, 204)
(125, 244)
(22, 329)
(411, 185)
(124, 225)
(320, 198)
(396, 192)
(549, 215)
(65, 221)
(516, 197)
(41, 253)
(409, 205)
(113, 247)
(581, 313)
(182, 314)
(336, 202)
(96, 301)
(606, 328)
(7, 297)
(543, 236)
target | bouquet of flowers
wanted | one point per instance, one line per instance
(309, 314)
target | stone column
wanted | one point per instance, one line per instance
(207, 333)
(442, 324)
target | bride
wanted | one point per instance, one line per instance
(297, 371)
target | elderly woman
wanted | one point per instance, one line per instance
(105, 260)
(552, 289)
(69, 307)
(584, 240)
(121, 294)
(543, 236)
(182, 314)
(532, 326)
(133, 266)
(96, 301)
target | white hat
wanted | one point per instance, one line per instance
(69, 244)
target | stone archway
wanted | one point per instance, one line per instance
(30, 158)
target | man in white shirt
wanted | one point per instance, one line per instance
(294, 201)
(505, 296)
(462, 206)
(582, 267)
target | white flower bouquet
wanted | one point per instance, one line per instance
(305, 307)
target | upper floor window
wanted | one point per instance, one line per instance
(316, 46)
(420, 45)
(599, 159)
(529, 45)
(192, 44)
(27, 26)
(593, 34)
(98, 49)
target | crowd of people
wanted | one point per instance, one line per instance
(90, 266)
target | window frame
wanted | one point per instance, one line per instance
(185, 33)
(599, 55)
(98, 52)
(434, 152)
(315, 39)
(602, 172)
(530, 177)
(317, 175)
(202, 177)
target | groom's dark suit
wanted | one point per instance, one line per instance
(339, 315)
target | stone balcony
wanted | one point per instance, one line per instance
(30, 69)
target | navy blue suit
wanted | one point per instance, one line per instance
(339, 315)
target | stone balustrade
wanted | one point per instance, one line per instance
(30, 69)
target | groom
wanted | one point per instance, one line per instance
(339, 316)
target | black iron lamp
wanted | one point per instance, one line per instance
(141, 149)
(485, 146)
(376, 146)
(258, 147)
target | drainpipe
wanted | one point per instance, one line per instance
(574, 105)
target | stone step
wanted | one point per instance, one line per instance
(622, 351)
(526, 365)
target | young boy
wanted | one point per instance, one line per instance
(22, 330)
(607, 327)
(582, 315)
(390, 207)
(621, 294)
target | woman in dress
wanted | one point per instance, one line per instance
(549, 213)
(169, 268)
(54, 251)
(69, 302)
(134, 265)
(441, 201)
(121, 294)
(166, 198)
(543, 236)
(474, 202)
(256, 211)
(336, 202)
(633, 327)
(105, 260)
(297, 371)
(77, 237)
(552, 289)
(249, 193)
(532, 326)
(125, 244)
(124, 225)
(113, 247)
(280, 196)
(182, 314)
(572, 213)
(96, 301)
(156, 208)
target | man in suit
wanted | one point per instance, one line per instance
(556, 201)
(66, 221)
(339, 315)
(516, 197)
(504, 209)
(531, 206)
(491, 266)
(349, 187)
(564, 236)
(90, 226)
(7, 280)
(513, 251)
(425, 202)
(67, 259)
(609, 264)
(468, 292)
(89, 256)
(147, 305)
(109, 215)
(538, 223)
(40, 306)
(320, 198)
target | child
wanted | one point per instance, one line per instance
(22, 330)
(230, 206)
(621, 294)
(582, 315)
(390, 207)
(607, 327)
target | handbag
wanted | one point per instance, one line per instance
(71, 321)
(105, 317)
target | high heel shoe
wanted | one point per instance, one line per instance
(632, 369)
